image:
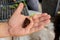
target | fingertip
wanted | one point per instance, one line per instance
(21, 4)
(20, 8)
(49, 16)
(45, 14)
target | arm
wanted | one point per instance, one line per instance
(4, 29)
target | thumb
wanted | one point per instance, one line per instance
(19, 9)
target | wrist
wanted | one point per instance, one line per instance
(4, 27)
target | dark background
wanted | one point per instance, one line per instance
(49, 6)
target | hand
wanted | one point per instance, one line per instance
(14, 26)
(37, 22)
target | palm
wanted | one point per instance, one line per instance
(16, 25)
(16, 22)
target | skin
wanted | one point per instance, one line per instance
(14, 26)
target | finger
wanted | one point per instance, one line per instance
(19, 9)
(36, 29)
(49, 16)
(36, 25)
(36, 20)
(44, 18)
(44, 22)
(39, 15)
(43, 15)
(36, 16)
(39, 27)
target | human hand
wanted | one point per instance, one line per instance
(37, 22)
(14, 26)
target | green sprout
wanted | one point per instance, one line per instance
(31, 15)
